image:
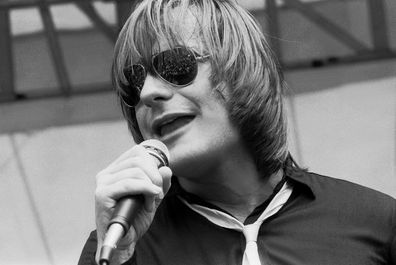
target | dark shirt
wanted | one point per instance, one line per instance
(326, 221)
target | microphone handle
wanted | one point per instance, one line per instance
(126, 211)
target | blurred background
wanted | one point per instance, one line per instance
(60, 123)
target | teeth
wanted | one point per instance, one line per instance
(174, 124)
(167, 122)
(159, 128)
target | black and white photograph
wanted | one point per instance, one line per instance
(198, 132)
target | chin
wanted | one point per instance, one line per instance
(190, 161)
(181, 164)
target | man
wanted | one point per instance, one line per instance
(200, 77)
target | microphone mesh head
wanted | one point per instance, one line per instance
(155, 144)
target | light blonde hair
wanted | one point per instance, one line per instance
(241, 61)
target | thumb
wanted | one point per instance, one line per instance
(166, 174)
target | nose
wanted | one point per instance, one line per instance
(155, 91)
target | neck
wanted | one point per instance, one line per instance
(235, 186)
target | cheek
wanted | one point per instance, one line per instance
(142, 121)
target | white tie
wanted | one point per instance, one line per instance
(251, 257)
(250, 231)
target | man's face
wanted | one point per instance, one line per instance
(192, 121)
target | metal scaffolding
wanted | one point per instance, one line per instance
(378, 27)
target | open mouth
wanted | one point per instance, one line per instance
(174, 124)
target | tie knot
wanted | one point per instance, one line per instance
(251, 232)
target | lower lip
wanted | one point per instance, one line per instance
(173, 127)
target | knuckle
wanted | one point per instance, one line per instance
(135, 160)
(129, 186)
(100, 179)
(135, 172)
(139, 148)
(136, 184)
(99, 176)
(158, 181)
(99, 194)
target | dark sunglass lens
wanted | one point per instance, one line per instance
(177, 66)
(135, 76)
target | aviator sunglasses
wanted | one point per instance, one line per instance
(177, 67)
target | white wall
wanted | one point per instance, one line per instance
(346, 129)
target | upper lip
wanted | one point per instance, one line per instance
(165, 119)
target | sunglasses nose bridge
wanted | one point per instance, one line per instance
(154, 91)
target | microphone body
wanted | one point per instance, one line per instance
(128, 207)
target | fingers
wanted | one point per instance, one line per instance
(153, 201)
(125, 187)
(136, 157)
(136, 150)
(166, 174)
(128, 172)
(134, 172)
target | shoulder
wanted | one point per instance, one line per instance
(343, 195)
(331, 186)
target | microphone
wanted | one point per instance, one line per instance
(127, 207)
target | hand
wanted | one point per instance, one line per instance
(134, 172)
